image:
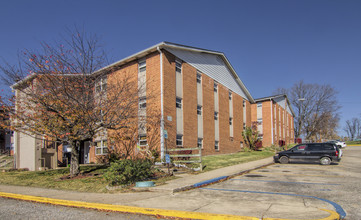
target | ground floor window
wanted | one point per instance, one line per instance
(216, 145)
(200, 143)
(142, 139)
(179, 140)
(101, 147)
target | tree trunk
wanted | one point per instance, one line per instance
(74, 162)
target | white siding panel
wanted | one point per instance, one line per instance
(216, 130)
(179, 85)
(179, 120)
(216, 104)
(199, 94)
(231, 108)
(200, 126)
(211, 65)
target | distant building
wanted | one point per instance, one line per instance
(275, 120)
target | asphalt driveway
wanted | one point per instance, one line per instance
(292, 186)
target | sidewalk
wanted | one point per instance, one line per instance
(165, 201)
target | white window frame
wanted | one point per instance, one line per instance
(142, 65)
(200, 143)
(101, 85)
(216, 116)
(178, 102)
(215, 87)
(101, 147)
(143, 102)
(178, 66)
(216, 145)
(199, 110)
(179, 140)
(199, 77)
(142, 140)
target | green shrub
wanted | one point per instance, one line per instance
(124, 172)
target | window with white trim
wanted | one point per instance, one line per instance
(216, 145)
(215, 115)
(179, 140)
(200, 143)
(199, 110)
(199, 78)
(178, 102)
(142, 139)
(143, 102)
(101, 147)
(101, 85)
(215, 87)
(178, 66)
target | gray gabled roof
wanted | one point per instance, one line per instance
(213, 63)
(279, 99)
(202, 59)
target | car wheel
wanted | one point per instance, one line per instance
(325, 161)
(284, 159)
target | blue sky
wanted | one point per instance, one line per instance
(270, 43)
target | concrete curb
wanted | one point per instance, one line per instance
(125, 209)
(333, 216)
(217, 179)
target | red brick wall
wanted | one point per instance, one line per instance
(190, 127)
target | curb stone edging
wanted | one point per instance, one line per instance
(126, 209)
(217, 180)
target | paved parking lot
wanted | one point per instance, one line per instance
(295, 186)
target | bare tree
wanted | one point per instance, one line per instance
(316, 109)
(60, 95)
(352, 128)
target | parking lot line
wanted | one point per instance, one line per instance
(337, 207)
(290, 174)
(272, 181)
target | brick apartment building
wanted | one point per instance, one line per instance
(202, 101)
(274, 118)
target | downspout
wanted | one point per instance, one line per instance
(162, 148)
(272, 121)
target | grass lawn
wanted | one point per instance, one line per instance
(218, 161)
(353, 143)
(93, 181)
(51, 179)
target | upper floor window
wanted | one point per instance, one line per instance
(215, 115)
(215, 86)
(199, 77)
(142, 66)
(142, 102)
(178, 66)
(199, 110)
(178, 102)
(101, 85)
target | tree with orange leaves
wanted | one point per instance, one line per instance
(62, 93)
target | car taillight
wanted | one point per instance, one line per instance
(336, 153)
